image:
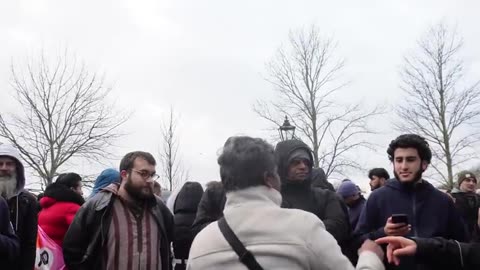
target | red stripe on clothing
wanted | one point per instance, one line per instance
(130, 238)
(148, 234)
(116, 229)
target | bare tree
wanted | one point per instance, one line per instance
(439, 104)
(64, 114)
(174, 173)
(306, 76)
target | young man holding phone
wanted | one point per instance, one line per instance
(408, 205)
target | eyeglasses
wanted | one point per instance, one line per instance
(146, 175)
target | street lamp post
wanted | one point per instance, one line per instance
(287, 131)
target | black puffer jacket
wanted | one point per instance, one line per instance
(301, 195)
(210, 208)
(184, 212)
(467, 205)
(446, 254)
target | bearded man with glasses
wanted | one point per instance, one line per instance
(124, 226)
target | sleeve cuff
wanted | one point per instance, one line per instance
(368, 260)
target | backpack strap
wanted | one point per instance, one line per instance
(245, 256)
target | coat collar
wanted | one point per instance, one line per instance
(253, 195)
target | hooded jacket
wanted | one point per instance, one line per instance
(210, 208)
(105, 178)
(278, 238)
(468, 204)
(185, 210)
(59, 206)
(319, 180)
(301, 195)
(23, 213)
(9, 245)
(430, 212)
(86, 238)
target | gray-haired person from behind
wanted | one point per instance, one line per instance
(277, 238)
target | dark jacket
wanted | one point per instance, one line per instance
(9, 244)
(319, 179)
(23, 213)
(355, 210)
(59, 206)
(184, 212)
(210, 208)
(24, 219)
(467, 205)
(448, 254)
(85, 240)
(430, 212)
(325, 204)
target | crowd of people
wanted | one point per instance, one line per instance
(271, 210)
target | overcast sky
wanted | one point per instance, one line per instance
(207, 59)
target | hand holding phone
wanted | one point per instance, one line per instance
(399, 218)
(398, 228)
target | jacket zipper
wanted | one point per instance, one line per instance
(414, 216)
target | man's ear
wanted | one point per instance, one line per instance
(123, 174)
(271, 180)
(424, 165)
(267, 181)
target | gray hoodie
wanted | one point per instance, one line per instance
(10, 151)
(23, 213)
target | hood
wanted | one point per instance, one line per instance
(282, 153)
(10, 151)
(112, 188)
(188, 198)
(59, 193)
(319, 180)
(105, 178)
(46, 202)
(171, 199)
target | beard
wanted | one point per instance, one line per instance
(8, 186)
(416, 178)
(140, 194)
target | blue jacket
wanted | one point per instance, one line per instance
(431, 213)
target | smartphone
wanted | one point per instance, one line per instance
(400, 218)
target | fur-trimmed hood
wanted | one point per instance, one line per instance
(60, 193)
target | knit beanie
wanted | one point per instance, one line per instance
(463, 175)
(347, 189)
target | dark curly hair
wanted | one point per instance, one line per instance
(378, 172)
(71, 180)
(411, 141)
